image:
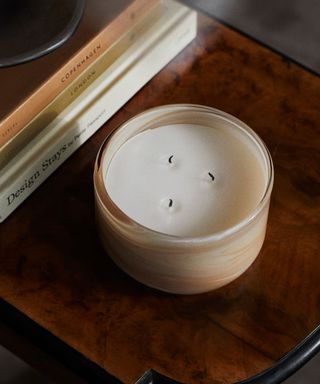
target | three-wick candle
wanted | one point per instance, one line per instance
(182, 196)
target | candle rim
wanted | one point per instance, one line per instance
(219, 235)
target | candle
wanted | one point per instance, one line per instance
(182, 196)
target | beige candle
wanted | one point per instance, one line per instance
(182, 197)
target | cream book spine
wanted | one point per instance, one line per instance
(173, 31)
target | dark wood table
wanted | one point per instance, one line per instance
(63, 298)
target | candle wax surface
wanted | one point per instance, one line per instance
(187, 180)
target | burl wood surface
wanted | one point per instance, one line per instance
(53, 268)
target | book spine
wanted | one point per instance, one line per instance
(77, 87)
(76, 133)
(24, 113)
(171, 15)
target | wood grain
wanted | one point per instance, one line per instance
(53, 268)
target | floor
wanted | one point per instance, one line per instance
(289, 26)
(15, 371)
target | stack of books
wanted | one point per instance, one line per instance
(51, 106)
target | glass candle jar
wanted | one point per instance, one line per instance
(182, 197)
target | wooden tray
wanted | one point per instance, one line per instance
(54, 270)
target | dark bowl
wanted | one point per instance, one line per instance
(32, 28)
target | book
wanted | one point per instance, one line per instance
(173, 31)
(77, 86)
(27, 88)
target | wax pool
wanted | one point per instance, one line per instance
(187, 180)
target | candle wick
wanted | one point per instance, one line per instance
(211, 175)
(170, 159)
(170, 203)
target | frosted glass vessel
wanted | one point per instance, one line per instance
(182, 197)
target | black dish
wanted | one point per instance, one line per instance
(32, 28)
